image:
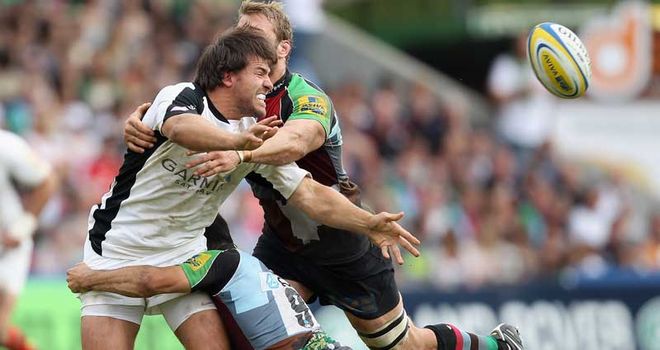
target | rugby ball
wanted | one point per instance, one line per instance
(559, 60)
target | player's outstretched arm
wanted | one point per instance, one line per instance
(329, 207)
(193, 132)
(134, 281)
(294, 140)
(198, 134)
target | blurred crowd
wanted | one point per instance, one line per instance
(490, 208)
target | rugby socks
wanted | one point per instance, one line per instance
(15, 340)
(451, 338)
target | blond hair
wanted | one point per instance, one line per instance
(274, 11)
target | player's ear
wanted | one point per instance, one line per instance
(283, 48)
(228, 79)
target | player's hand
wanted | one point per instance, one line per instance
(256, 134)
(9, 242)
(274, 123)
(212, 163)
(76, 277)
(386, 233)
(138, 137)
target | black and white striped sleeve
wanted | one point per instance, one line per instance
(174, 100)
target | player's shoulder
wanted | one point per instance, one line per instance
(11, 141)
(184, 88)
(300, 86)
(308, 98)
(17, 150)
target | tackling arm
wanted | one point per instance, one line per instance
(293, 141)
(198, 134)
(134, 281)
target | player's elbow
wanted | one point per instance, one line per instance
(306, 198)
(174, 128)
(174, 133)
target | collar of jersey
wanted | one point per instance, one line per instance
(280, 84)
(215, 111)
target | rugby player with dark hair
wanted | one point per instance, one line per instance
(157, 211)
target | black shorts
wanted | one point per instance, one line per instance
(364, 287)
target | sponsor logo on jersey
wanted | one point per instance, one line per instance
(198, 261)
(268, 281)
(183, 108)
(314, 105)
(186, 178)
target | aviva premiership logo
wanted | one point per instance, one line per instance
(198, 261)
(313, 105)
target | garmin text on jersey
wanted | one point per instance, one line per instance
(186, 178)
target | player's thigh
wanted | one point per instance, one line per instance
(103, 332)
(195, 321)
(109, 325)
(365, 288)
(203, 330)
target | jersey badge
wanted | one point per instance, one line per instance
(268, 281)
(197, 261)
(183, 108)
(313, 105)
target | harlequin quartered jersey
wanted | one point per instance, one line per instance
(294, 98)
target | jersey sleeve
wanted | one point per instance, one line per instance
(284, 178)
(211, 270)
(25, 167)
(313, 107)
(173, 100)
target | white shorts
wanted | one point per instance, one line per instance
(15, 266)
(175, 311)
(132, 309)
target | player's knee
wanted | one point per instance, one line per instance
(389, 335)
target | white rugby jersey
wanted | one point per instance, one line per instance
(155, 204)
(20, 165)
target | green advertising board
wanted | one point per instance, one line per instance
(49, 314)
